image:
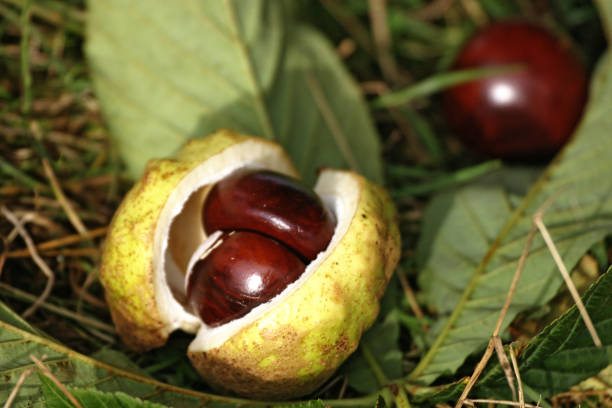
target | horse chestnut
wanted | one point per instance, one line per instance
(245, 270)
(268, 210)
(528, 114)
(272, 204)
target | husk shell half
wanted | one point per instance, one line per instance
(127, 268)
(293, 349)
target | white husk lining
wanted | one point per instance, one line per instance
(340, 195)
(338, 192)
(246, 154)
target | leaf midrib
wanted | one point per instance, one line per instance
(260, 105)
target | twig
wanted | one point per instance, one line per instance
(477, 371)
(37, 216)
(502, 315)
(17, 387)
(73, 217)
(37, 259)
(503, 360)
(57, 382)
(25, 218)
(537, 224)
(568, 280)
(517, 373)
(515, 280)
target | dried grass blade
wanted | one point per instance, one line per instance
(37, 259)
(73, 217)
(568, 280)
(502, 315)
(503, 361)
(517, 373)
(57, 382)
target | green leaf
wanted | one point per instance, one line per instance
(165, 73)
(56, 398)
(563, 354)
(10, 317)
(382, 341)
(473, 238)
(319, 112)
(18, 342)
(118, 359)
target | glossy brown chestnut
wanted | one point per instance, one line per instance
(272, 204)
(524, 115)
(245, 270)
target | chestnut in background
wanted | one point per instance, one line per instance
(528, 114)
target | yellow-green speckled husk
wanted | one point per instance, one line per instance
(127, 270)
(294, 348)
(288, 351)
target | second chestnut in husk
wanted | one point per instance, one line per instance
(272, 227)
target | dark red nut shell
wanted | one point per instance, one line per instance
(272, 204)
(525, 115)
(244, 271)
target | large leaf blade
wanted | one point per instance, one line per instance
(473, 291)
(160, 81)
(18, 342)
(165, 73)
(559, 357)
